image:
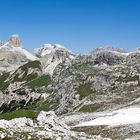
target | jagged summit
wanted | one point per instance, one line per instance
(52, 55)
(45, 49)
(14, 45)
(108, 48)
(49, 48)
(15, 40)
(13, 55)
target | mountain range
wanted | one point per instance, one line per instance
(54, 94)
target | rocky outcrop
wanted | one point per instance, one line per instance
(133, 58)
(87, 82)
(109, 57)
(45, 49)
(14, 93)
(61, 53)
(10, 101)
(108, 48)
(11, 61)
(15, 41)
(12, 55)
(51, 56)
(46, 126)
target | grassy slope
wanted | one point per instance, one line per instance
(24, 69)
(32, 81)
(3, 84)
(84, 90)
(15, 76)
(19, 113)
(41, 81)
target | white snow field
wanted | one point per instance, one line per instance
(116, 118)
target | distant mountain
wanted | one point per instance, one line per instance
(51, 56)
(108, 48)
(13, 55)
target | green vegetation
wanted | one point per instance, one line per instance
(78, 69)
(46, 105)
(16, 77)
(21, 75)
(13, 105)
(2, 129)
(3, 84)
(90, 107)
(32, 64)
(24, 71)
(43, 80)
(84, 90)
(3, 77)
(19, 113)
(128, 78)
(30, 77)
(6, 138)
(21, 92)
(85, 68)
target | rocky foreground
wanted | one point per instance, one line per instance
(47, 126)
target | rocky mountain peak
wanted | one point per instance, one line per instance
(61, 53)
(15, 40)
(45, 49)
(52, 55)
(13, 55)
(108, 48)
(49, 48)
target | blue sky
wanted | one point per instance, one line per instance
(79, 25)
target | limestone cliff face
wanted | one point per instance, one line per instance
(15, 41)
(61, 54)
(51, 56)
(12, 55)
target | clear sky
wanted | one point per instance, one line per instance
(79, 25)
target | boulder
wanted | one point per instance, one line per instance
(50, 121)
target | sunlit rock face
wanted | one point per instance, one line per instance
(52, 55)
(15, 40)
(13, 55)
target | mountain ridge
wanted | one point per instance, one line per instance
(78, 88)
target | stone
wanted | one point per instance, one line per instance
(50, 121)
(15, 40)
(58, 131)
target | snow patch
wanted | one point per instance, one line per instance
(116, 118)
